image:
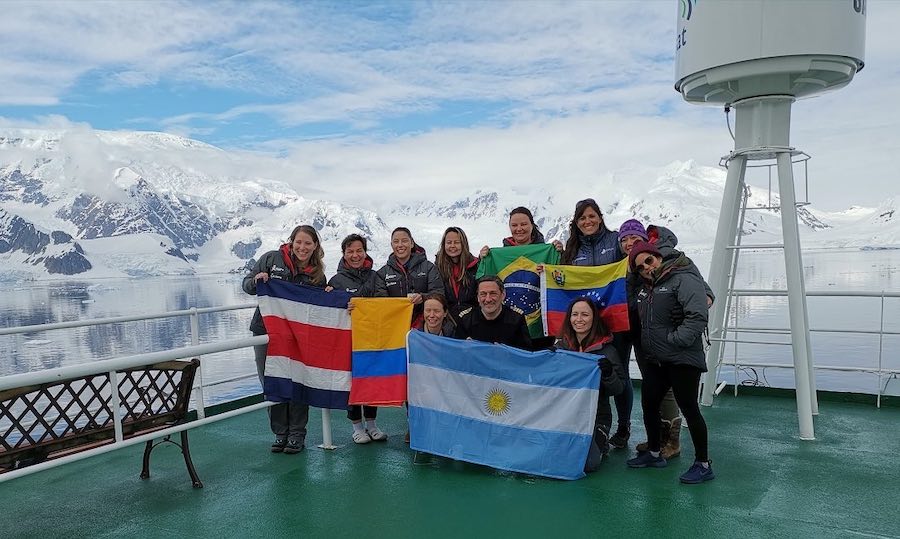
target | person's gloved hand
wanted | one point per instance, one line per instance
(605, 367)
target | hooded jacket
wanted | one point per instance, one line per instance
(278, 264)
(598, 249)
(673, 314)
(417, 276)
(360, 282)
(666, 241)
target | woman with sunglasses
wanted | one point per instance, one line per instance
(673, 312)
(584, 331)
(457, 267)
(631, 232)
(591, 243)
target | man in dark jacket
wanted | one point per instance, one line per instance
(492, 321)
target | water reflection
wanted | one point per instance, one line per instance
(41, 303)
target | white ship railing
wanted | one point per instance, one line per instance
(111, 367)
(884, 375)
(194, 314)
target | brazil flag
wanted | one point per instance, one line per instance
(516, 266)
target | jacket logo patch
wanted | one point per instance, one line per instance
(421, 274)
(642, 293)
(390, 276)
(663, 289)
(604, 251)
(275, 267)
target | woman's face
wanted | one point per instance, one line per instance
(628, 242)
(582, 318)
(646, 263)
(303, 246)
(402, 245)
(589, 222)
(452, 244)
(520, 228)
(434, 315)
(354, 255)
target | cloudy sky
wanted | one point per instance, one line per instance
(364, 100)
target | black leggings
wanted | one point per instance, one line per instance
(684, 381)
(356, 412)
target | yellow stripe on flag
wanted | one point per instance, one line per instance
(380, 323)
(521, 263)
(584, 277)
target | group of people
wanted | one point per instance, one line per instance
(667, 304)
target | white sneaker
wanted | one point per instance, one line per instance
(360, 437)
(376, 434)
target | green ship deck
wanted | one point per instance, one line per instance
(769, 484)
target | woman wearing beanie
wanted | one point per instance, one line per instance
(591, 243)
(672, 307)
(631, 232)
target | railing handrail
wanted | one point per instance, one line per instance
(111, 365)
(117, 319)
(816, 293)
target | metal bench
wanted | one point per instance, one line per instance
(55, 419)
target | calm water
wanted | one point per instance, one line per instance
(37, 303)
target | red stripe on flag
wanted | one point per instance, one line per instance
(325, 348)
(555, 322)
(616, 317)
(379, 390)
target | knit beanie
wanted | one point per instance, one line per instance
(642, 247)
(632, 227)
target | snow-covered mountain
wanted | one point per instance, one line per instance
(97, 203)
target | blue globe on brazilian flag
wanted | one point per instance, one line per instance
(517, 267)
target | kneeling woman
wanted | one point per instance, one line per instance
(298, 261)
(671, 304)
(436, 318)
(584, 331)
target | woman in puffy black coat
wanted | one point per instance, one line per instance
(457, 267)
(584, 331)
(298, 261)
(356, 277)
(673, 311)
(408, 273)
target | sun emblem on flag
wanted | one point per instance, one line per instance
(559, 277)
(496, 402)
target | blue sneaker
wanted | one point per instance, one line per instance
(698, 473)
(644, 460)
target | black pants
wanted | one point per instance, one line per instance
(356, 412)
(684, 381)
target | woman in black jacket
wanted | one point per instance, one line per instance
(457, 267)
(671, 304)
(584, 331)
(408, 273)
(298, 261)
(356, 277)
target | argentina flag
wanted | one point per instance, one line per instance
(530, 412)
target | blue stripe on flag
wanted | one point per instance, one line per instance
(551, 454)
(379, 362)
(303, 293)
(285, 390)
(614, 293)
(558, 369)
